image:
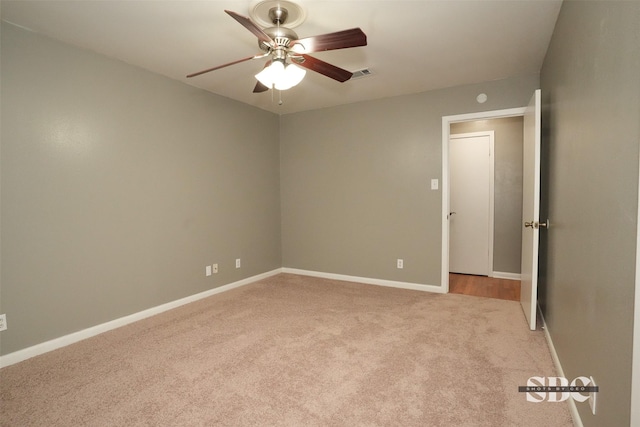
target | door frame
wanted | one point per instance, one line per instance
(446, 134)
(492, 154)
(635, 355)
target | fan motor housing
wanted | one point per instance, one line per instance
(282, 36)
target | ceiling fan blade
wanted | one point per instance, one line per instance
(259, 86)
(338, 40)
(225, 65)
(251, 26)
(324, 68)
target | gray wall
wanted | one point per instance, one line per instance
(591, 97)
(507, 231)
(119, 186)
(355, 181)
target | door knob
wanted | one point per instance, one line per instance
(451, 213)
(536, 224)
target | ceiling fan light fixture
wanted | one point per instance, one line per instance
(281, 76)
(269, 74)
(292, 76)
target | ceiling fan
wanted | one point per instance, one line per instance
(288, 55)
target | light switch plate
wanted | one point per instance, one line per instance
(434, 184)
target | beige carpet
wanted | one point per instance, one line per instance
(296, 351)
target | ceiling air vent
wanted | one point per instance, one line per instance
(361, 73)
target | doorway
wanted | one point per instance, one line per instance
(449, 123)
(506, 236)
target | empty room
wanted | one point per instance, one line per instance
(323, 213)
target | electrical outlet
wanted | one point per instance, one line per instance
(400, 263)
(207, 270)
(592, 397)
(3, 322)
(237, 262)
(215, 268)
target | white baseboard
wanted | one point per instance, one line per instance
(56, 343)
(367, 280)
(66, 340)
(575, 416)
(504, 275)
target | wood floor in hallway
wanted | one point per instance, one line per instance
(482, 286)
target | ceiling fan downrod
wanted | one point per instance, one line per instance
(281, 36)
(278, 15)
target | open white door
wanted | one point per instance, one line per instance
(531, 209)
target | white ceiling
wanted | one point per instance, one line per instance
(413, 46)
